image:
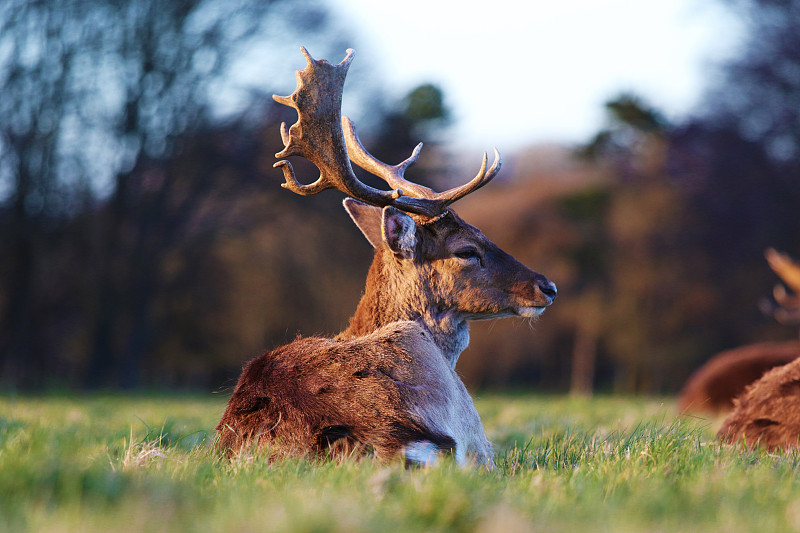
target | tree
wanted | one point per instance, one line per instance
(758, 92)
(93, 92)
(738, 157)
(419, 117)
(143, 236)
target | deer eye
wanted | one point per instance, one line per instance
(468, 254)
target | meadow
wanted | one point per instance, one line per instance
(144, 462)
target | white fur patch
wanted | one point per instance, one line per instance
(422, 452)
(530, 312)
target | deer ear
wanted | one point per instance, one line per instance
(399, 232)
(367, 218)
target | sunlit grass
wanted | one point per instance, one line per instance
(119, 463)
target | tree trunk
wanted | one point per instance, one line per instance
(584, 352)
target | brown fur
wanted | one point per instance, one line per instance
(713, 386)
(768, 413)
(443, 291)
(319, 395)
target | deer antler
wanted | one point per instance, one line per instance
(788, 270)
(788, 309)
(323, 137)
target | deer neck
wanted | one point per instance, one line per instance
(392, 295)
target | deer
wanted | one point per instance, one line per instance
(725, 376)
(386, 386)
(767, 413)
(713, 387)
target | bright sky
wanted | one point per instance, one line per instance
(516, 73)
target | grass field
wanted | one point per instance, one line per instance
(143, 463)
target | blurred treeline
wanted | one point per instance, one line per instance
(145, 241)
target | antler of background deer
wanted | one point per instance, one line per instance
(330, 141)
(788, 309)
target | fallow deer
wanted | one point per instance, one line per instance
(386, 384)
(768, 412)
(725, 376)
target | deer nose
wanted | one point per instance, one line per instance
(548, 288)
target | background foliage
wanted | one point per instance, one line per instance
(144, 240)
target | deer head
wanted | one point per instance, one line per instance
(429, 265)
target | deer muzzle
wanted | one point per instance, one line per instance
(534, 296)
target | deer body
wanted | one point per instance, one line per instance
(390, 391)
(713, 386)
(386, 383)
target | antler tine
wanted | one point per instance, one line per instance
(784, 307)
(482, 178)
(784, 298)
(284, 133)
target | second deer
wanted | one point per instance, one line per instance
(768, 412)
(713, 387)
(386, 384)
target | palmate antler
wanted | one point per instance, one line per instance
(329, 140)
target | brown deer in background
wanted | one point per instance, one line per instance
(725, 376)
(768, 413)
(387, 383)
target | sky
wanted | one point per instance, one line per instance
(517, 73)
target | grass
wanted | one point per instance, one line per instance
(136, 463)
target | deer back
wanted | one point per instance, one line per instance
(725, 376)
